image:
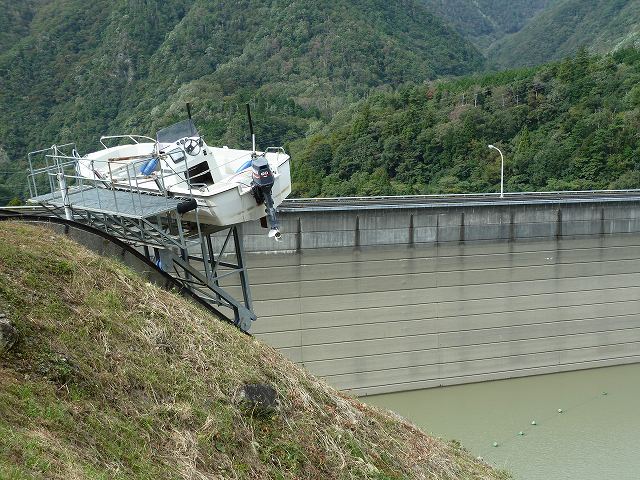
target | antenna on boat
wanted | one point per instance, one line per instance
(190, 119)
(253, 135)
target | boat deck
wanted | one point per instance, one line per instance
(101, 200)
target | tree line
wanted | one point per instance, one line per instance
(576, 127)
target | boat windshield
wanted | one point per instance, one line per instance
(175, 132)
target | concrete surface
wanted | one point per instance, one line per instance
(388, 300)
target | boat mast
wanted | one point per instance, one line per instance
(253, 135)
(190, 119)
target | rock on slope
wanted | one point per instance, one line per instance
(114, 378)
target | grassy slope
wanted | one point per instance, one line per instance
(114, 378)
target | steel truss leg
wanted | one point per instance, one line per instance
(205, 281)
(242, 270)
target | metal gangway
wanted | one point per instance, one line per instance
(205, 259)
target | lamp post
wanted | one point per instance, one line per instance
(501, 170)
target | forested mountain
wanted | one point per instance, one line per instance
(570, 125)
(485, 21)
(73, 70)
(515, 33)
(565, 26)
(14, 21)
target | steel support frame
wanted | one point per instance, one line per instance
(207, 284)
(185, 253)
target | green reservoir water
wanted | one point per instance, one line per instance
(596, 437)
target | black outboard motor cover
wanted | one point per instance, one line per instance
(262, 174)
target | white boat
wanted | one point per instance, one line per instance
(229, 186)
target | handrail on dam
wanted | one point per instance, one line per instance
(439, 200)
(445, 200)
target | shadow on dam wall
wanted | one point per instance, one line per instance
(385, 300)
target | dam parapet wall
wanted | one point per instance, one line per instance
(384, 298)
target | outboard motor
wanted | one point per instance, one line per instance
(261, 185)
(262, 181)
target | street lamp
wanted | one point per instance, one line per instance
(501, 170)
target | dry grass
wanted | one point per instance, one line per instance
(114, 378)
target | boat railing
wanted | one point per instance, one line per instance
(55, 172)
(42, 161)
(126, 174)
(133, 138)
(278, 151)
(237, 164)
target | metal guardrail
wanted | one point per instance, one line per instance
(430, 201)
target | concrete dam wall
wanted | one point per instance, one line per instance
(379, 298)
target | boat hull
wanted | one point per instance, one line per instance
(228, 200)
(237, 204)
